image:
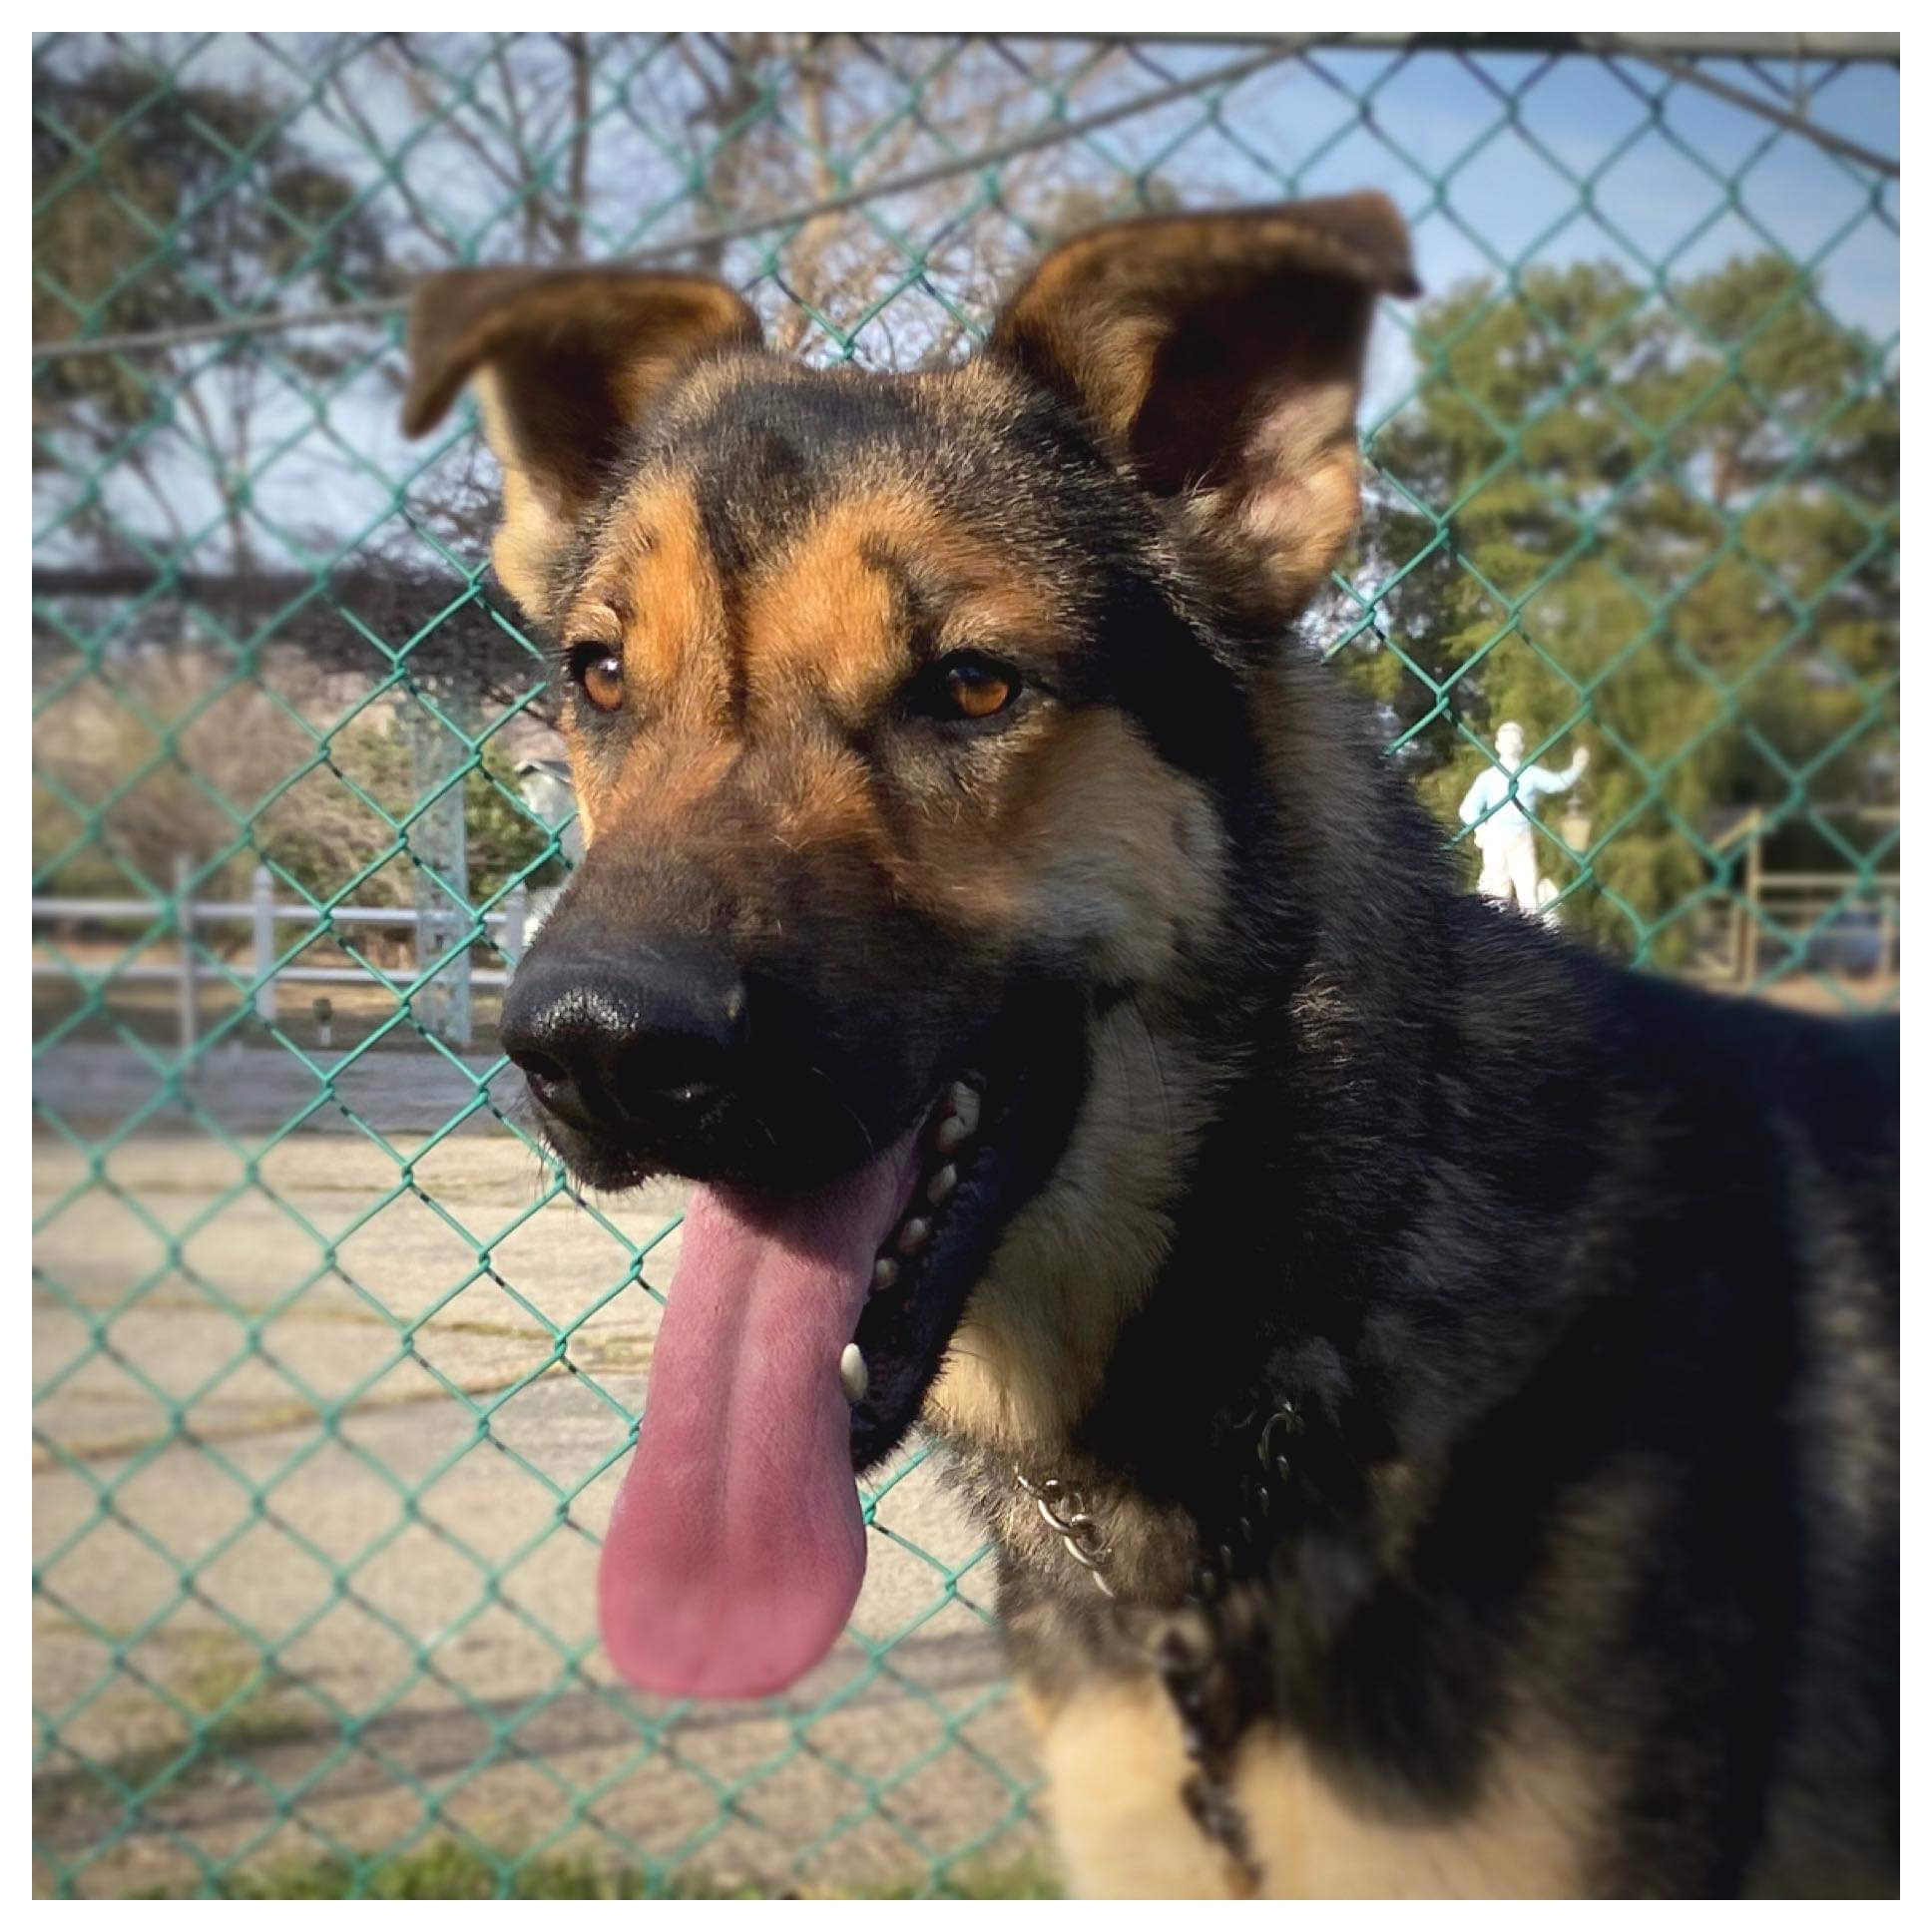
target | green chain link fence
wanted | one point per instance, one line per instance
(334, 1375)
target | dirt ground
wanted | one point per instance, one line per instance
(324, 1440)
(327, 1423)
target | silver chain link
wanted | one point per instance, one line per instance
(1073, 1525)
(1066, 1514)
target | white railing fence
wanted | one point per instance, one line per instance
(442, 936)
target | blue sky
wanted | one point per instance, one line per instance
(1682, 190)
(1681, 194)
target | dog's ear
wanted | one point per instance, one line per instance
(1221, 357)
(564, 361)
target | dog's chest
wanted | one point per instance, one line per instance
(1185, 1782)
(1179, 1778)
(1118, 1769)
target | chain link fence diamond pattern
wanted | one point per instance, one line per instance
(333, 1372)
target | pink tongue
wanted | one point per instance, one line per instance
(737, 1549)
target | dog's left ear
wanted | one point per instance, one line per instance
(1221, 357)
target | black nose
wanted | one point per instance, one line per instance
(645, 1040)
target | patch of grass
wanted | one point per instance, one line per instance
(440, 1869)
(1028, 1876)
(446, 1868)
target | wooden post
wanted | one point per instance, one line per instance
(264, 895)
(1753, 879)
(188, 1008)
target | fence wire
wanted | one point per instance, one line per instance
(333, 1374)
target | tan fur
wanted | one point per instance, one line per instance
(535, 523)
(824, 612)
(1115, 1766)
(562, 359)
(1291, 515)
(654, 582)
(1221, 357)
(1528, 1833)
(821, 615)
(1521, 1839)
(1099, 305)
(1079, 1260)
(1114, 1757)
(1129, 868)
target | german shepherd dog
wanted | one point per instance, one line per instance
(1433, 1393)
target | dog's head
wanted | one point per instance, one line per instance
(898, 711)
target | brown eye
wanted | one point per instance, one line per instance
(977, 688)
(599, 671)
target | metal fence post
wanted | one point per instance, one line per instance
(187, 1008)
(515, 921)
(264, 896)
(439, 843)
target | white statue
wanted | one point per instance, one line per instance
(1506, 838)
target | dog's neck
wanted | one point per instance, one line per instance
(1248, 1189)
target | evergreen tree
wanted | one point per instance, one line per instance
(1665, 529)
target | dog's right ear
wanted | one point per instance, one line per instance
(564, 361)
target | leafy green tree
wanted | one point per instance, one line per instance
(504, 837)
(322, 837)
(1662, 529)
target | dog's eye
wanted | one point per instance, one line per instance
(598, 670)
(977, 687)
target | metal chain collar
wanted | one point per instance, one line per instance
(1073, 1525)
(1064, 1511)
(1185, 1668)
